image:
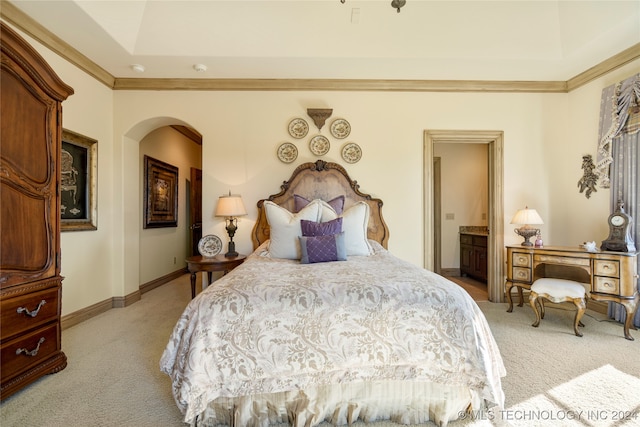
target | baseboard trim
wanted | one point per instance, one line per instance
(146, 287)
(87, 313)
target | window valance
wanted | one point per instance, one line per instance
(619, 102)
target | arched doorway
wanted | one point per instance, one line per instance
(128, 224)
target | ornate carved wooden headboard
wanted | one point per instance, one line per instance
(326, 181)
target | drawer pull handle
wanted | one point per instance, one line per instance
(32, 352)
(33, 313)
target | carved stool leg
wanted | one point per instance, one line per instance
(533, 302)
(541, 306)
(580, 304)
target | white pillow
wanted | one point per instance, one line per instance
(285, 228)
(355, 221)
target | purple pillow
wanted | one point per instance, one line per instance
(322, 248)
(311, 228)
(337, 204)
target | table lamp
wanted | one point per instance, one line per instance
(527, 217)
(230, 207)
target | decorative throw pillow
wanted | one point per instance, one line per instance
(355, 222)
(285, 228)
(322, 248)
(337, 204)
(310, 228)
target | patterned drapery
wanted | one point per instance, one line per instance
(625, 185)
(623, 164)
(617, 103)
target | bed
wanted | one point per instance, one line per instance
(329, 326)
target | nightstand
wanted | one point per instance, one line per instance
(211, 264)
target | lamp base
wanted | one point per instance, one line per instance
(527, 233)
(232, 250)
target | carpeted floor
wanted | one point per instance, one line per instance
(553, 377)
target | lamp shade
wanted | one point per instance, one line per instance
(527, 216)
(230, 206)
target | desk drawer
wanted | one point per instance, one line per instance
(520, 260)
(521, 274)
(606, 285)
(607, 268)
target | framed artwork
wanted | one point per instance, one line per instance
(160, 194)
(78, 182)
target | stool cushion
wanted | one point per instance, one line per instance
(558, 288)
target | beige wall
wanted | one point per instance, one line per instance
(545, 136)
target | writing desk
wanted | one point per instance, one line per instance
(611, 276)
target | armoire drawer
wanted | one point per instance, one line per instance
(26, 350)
(28, 311)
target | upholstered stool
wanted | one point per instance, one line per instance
(557, 290)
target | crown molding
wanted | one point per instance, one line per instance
(25, 23)
(606, 66)
(353, 85)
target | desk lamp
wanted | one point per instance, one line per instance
(527, 217)
(231, 206)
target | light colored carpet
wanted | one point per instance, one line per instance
(553, 377)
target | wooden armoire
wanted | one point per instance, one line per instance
(31, 96)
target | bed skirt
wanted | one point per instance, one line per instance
(401, 402)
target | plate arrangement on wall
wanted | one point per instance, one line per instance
(351, 152)
(287, 152)
(210, 245)
(319, 145)
(340, 128)
(298, 128)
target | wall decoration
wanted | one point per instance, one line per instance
(319, 115)
(319, 145)
(351, 152)
(78, 186)
(587, 183)
(340, 128)
(287, 152)
(298, 128)
(160, 194)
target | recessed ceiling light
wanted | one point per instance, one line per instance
(200, 68)
(138, 68)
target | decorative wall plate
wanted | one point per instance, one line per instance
(287, 152)
(298, 128)
(351, 152)
(210, 245)
(340, 128)
(319, 145)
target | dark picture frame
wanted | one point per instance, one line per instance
(160, 194)
(78, 182)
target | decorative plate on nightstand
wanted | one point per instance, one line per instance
(210, 245)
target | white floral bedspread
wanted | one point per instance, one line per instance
(274, 325)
